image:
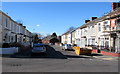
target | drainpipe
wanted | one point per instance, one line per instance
(110, 34)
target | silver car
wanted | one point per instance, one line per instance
(39, 49)
(66, 46)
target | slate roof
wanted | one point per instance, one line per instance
(93, 22)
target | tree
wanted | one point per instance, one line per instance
(35, 38)
(71, 28)
(54, 35)
(54, 40)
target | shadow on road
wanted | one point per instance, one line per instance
(51, 53)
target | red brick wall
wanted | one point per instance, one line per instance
(115, 5)
(45, 41)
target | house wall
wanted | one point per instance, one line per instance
(73, 37)
(0, 28)
(66, 38)
(94, 34)
(63, 39)
(78, 36)
(69, 38)
(12, 31)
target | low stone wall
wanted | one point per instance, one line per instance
(22, 47)
(10, 50)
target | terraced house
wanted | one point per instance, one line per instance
(13, 32)
(102, 32)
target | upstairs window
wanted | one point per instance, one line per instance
(118, 22)
(14, 27)
(78, 32)
(6, 22)
(106, 27)
(99, 27)
(106, 22)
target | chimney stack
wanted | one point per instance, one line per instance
(115, 5)
(86, 21)
(24, 26)
(93, 18)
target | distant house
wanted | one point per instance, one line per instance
(68, 37)
(50, 39)
(46, 40)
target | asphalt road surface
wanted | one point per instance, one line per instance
(58, 60)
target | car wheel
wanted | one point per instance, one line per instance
(44, 54)
(32, 54)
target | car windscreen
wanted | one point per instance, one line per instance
(68, 45)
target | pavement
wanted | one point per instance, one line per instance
(98, 56)
(105, 57)
(107, 53)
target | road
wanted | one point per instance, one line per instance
(58, 60)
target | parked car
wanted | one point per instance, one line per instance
(39, 49)
(66, 46)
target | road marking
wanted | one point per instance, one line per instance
(90, 59)
(105, 58)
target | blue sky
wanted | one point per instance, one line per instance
(49, 17)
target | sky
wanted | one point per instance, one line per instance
(49, 17)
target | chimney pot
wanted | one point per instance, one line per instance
(86, 21)
(93, 18)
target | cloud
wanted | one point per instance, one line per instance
(38, 25)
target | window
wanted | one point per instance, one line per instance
(12, 39)
(118, 21)
(78, 32)
(19, 29)
(106, 22)
(86, 41)
(9, 39)
(85, 30)
(93, 41)
(99, 27)
(10, 25)
(14, 27)
(106, 38)
(89, 41)
(6, 22)
(113, 27)
(106, 27)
